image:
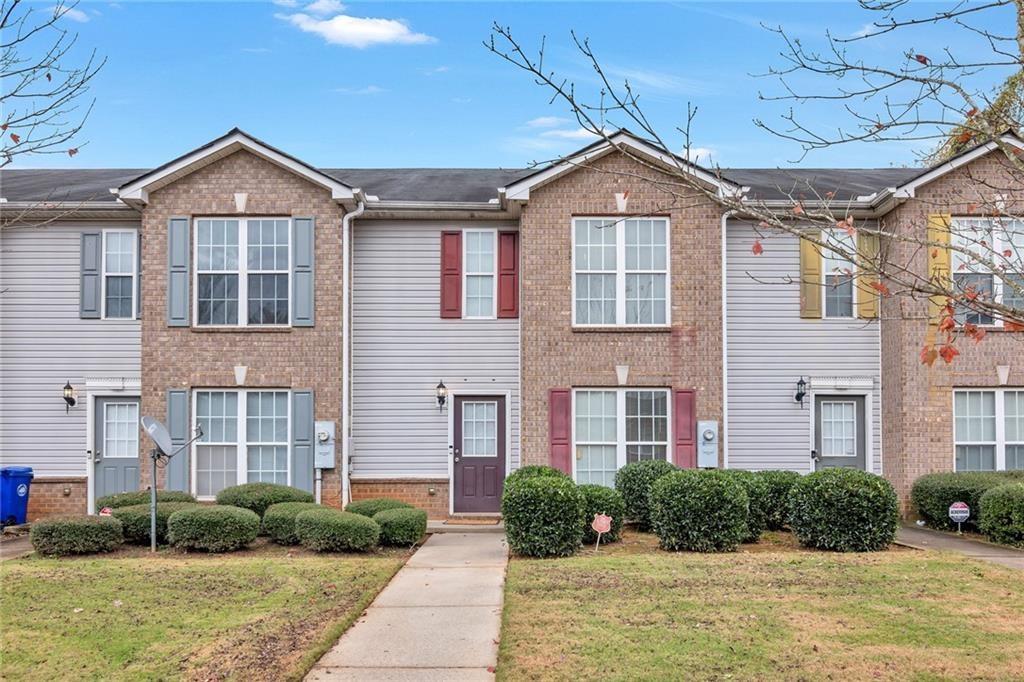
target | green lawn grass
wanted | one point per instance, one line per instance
(264, 614)
(772, 611)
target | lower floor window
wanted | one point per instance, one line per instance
(616, 427)
(245, 439)
(988, 429)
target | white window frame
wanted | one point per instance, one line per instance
(620, 421)
(241, 444)
(134, 274)
(493, 274)
(106, 430)
(829, 237)
(618, 223)
(999, 244)
(242, 271)
(1000, 441)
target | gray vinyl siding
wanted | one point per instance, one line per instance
(44, 343)
(401, 348)
(770, 347)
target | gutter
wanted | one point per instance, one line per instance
(346, 331)
(725, 343)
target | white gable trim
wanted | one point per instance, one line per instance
(909, 190)
(520, 191)
(137, 191)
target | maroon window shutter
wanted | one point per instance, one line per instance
(559, 428)
(451, 274)
(508, 274)
(685, 429)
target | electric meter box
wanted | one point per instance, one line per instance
(323, 446)
(707, 445)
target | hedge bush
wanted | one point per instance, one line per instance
(213, 528)
(534, 471)
(401, 527)
(142, 497)
(331, 530)
(757, 502)
(257, 497)
(776, 502)
(543, 516)
(136, 520)
(599, 499)
(634, 482)
(370, 508)
(932, 494)
(279, 521)
(1002, 514)
(845, 510)
(63, 535)
(700, 511)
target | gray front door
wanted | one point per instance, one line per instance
(116, 445)
(839, 432)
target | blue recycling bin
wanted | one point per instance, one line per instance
(14, 487)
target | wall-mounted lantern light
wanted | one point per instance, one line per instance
(69, 397)
(442, 395)
(801, 391)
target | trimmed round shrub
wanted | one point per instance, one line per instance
(63, 535)
(401, 527)
(634, 482)
(279, 521)
(543, 516)
(757, 499)
(257, 497)
(533, 471)
(372, 507)
(599, 499)
(332, 530)
(135, 520)
(932, 494)
(213, 528)
(142, 497)
(1002, 514)
(844, 510)
(777, 483)
(700, 511)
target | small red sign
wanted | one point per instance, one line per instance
(602, 523)
(959, 512)
(106, 511)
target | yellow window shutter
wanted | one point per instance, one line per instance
(867, 295)
(938, 261)
(810, 279)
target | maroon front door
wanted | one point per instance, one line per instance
(478, 467)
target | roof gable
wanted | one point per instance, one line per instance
(908, 189)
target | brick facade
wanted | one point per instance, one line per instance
(431, 496)
(57, 496)
(917, 401)
(294, 358)
(554, 355)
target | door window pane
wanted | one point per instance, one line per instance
(120, 430)
(479, 429)
(838, 429)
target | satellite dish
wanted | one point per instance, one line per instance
(158, 434)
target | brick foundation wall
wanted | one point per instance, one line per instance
(917, 400)
(554, 355)
(57, 496)
(416, 492)
(295, 358)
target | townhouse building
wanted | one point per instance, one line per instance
(420, 333)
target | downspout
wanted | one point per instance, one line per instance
(725, 343)
(346, 330)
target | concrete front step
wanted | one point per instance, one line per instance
(453, 526)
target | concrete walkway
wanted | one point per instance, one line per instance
(438, 619)
(15, 548)
(926, 538)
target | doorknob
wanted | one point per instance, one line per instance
(98, 456)
(815, 456)
(456, 459)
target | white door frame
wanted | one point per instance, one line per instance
(104, 388)
(450, 406)
(835, 388)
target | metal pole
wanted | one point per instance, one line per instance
(152, 503)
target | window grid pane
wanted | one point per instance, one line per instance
(121, 430)
(596, 437)
(646, 425)
(267, 261)
(838, 429)
(120, 297)
(217, 299)
(479, 429)
(479, 268)
(974, 429)
(216, 468)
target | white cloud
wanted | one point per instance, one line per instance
(358, 32)
(368, 90)
(71, 13)
(864, 30)
(576, 134)
(546, 122)
(659, 80)
(701, 155)
(436, 70)
(325, 7)
(286, 3)
(462, 100)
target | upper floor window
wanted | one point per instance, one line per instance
(988, 430)
(620, 272)
(479, 265)
(837, 274)
(1000, 242)
(242, 271)
(119, 273)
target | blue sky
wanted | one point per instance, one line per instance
(312, 81)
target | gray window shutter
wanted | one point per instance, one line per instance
(177, 272)
(138, 276)
(177, 424)
(90, 276)
(302, 440)
(302, 272)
